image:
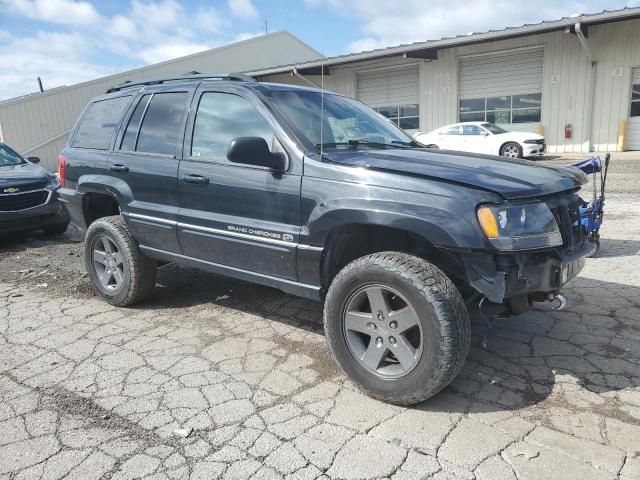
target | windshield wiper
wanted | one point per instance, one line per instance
(356, 142)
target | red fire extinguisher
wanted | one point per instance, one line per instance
(568, 131)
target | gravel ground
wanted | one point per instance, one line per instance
(213, 377)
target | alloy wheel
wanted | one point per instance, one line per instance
(510, 151)
(108, 263)
(383, 331)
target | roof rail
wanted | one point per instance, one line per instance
(184, 78)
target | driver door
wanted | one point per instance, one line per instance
(475, 139)
(241, 216)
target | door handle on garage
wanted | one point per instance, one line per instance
(196, 179)
(118, 167)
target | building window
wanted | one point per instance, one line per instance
(503, 109)
(405, 116)
(635, 100)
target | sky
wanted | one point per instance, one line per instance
(70, 41)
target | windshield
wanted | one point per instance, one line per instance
(493, 128)
(9, 157)
(345, 123)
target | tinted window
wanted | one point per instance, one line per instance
(9, 157)
(472, 117)
(131, 134)
(221, 117)
(100, 122)
(498, 103)
(472, 104)
(453, 131)
(525, 116)
(161, 124)
(527, 101)
(472, 130)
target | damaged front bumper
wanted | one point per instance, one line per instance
(500, 276)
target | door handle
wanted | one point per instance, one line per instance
(195, 179)
(118, 167)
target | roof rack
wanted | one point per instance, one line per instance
(183, 78)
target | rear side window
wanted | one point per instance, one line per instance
(131, 134)
(99, 123)
(161, 123)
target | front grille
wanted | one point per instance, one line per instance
(567, 215)
(22, 201)
(27, 187)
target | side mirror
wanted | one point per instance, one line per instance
(33, 159)
(485, 134)
(255, 151)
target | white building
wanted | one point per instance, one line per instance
(38, 124)
(576, 77)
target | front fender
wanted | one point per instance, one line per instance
(443, 220)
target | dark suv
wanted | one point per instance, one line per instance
(318, 195)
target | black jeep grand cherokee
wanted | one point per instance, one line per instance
(252, 180)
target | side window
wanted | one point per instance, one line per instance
(99, 123)
(160, 126)
(131, 134)
(453, 131)
(472, 130)
(220, 118)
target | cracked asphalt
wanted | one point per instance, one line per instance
(216, 378)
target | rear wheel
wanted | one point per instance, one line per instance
(511, 150)
(120, 274)
(397, 326)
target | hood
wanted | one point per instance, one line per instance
(511, 178)
(522, 136)
(23, 175)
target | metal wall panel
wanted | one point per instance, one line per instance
(396, 86)
(506, 73)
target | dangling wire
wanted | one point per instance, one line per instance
(322, 82)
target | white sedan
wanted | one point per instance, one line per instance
(483, 137)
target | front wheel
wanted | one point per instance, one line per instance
(511, 150)
(397, 326)
(119, 272)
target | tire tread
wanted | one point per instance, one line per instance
(446, 300)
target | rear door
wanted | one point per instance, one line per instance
(144, 165)
(241, 216)
(450, 138)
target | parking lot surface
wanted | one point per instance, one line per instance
(216, 378)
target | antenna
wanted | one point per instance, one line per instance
(322, 82)
(266, 27)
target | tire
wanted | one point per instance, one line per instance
(56, 228)
(133, 275)
(442, 326)
(511, 150)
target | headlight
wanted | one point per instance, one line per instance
(519, 227)
(54, 182)
(531, 141)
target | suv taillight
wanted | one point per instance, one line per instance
(62, 169)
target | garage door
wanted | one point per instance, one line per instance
(394, 93)
(633, 130)
(504, 88)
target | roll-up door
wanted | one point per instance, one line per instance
(633, 130)
(503, 88)
(394, 93)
